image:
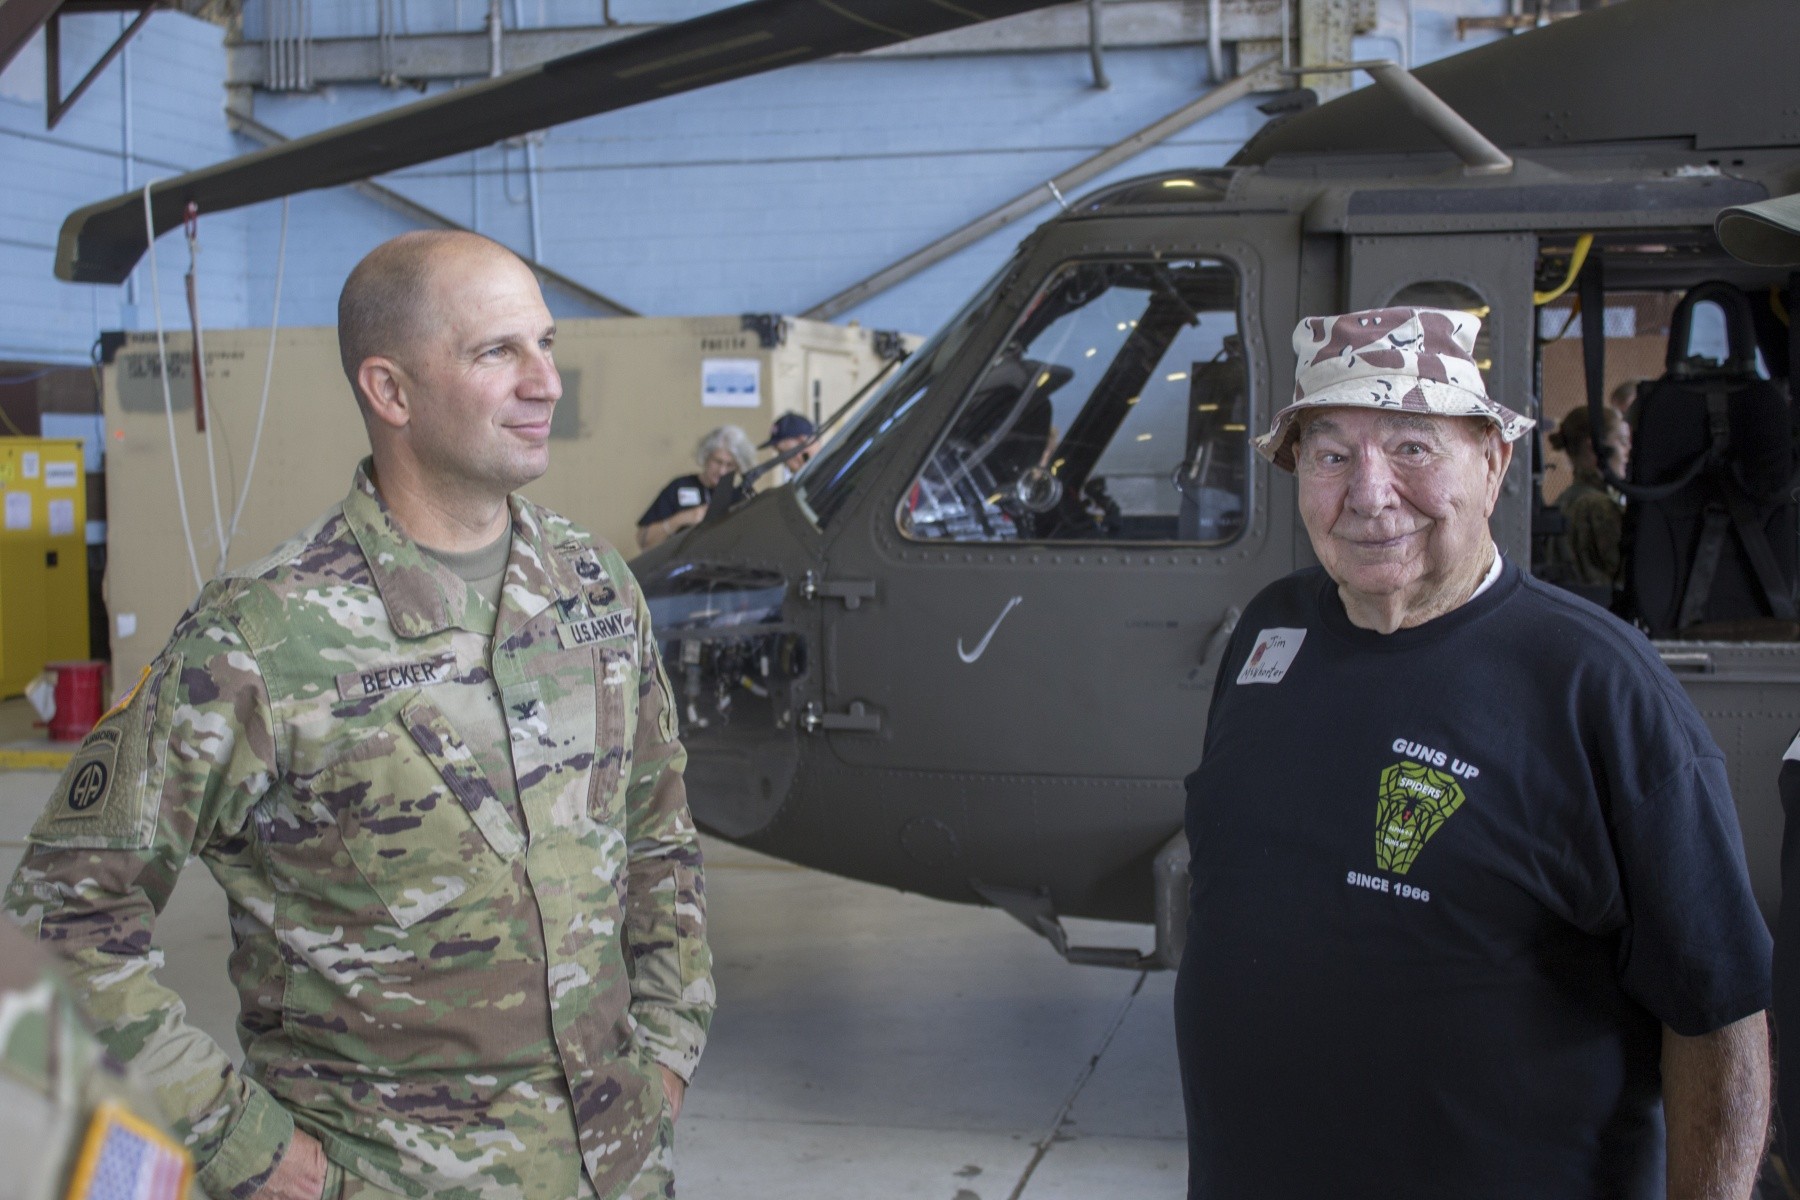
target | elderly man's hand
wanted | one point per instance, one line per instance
(300, 1175)
(675, 1088)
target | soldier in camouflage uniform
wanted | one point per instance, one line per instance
(445, 802)
(1587, 553)
(56, 1084)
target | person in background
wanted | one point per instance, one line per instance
(791, 437)
(68, 1104)
(1586, 553)
(682, 504)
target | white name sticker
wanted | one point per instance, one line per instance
(687, 497)
(1272, 655)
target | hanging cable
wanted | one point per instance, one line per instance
(262, 409)
(162, 355)
(191, 225)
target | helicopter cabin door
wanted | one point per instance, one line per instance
(1491, 276)
(1052, 576)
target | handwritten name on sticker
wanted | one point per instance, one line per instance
(393, 677)
(1272, 655)
(607, 627)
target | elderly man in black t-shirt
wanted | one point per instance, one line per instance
(1470, 913)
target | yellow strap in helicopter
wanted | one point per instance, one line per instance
(1582, 245)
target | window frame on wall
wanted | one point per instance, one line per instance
(1189, 509)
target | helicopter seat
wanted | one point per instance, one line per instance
(1712, 533)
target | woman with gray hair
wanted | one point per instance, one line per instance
(682, 504)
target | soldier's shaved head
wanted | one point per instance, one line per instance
(389, 307)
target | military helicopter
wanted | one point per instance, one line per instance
(968, 652)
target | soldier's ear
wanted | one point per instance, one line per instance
(384, 386)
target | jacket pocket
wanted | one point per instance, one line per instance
(416, 815)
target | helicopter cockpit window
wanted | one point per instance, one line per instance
(827, 482)
(1117, 410)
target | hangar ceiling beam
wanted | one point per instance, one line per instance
(412, 210)
(19, 20)
(423, 58)
(1262, 76)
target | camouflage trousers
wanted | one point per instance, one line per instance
(655, 1180)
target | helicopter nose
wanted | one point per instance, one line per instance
(736, 644)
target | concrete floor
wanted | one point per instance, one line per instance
(867, 1044)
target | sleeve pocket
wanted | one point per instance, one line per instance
(665, 914)
(110, 794)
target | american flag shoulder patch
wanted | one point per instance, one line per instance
(124, 1157)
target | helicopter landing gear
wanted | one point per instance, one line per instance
(1033, 910)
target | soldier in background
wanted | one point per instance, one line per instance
(68, 1107)
(1587, 553)
(427, 750)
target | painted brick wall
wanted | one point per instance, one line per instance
(171, 73)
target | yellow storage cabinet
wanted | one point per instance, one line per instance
(43, 557)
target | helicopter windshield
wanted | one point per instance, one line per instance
(830, 479)
(1116, 410)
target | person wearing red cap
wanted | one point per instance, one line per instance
(1470, 917)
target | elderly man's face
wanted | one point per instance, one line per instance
(487, 383)
(1396, 505)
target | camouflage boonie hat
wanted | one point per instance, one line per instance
(1411, 359)
(1766, 233)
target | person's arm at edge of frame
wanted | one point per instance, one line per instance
(671, 981)
(238, 1134)
(1716, 1105)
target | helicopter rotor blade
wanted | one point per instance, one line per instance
(103, 242)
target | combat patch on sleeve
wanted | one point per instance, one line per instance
(109, 793)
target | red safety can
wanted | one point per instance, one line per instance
(80, 699)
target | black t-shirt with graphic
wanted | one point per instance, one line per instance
(681, 494)
(1449, 884)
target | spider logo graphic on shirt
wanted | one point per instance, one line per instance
(1413, 803)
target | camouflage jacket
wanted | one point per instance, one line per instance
(1588, 549)
(55, 1080)
(465, 887)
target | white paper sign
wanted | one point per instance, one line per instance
(59, 475)
(62, 518)
(28, 464)
(18, 510)
(731, 383)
